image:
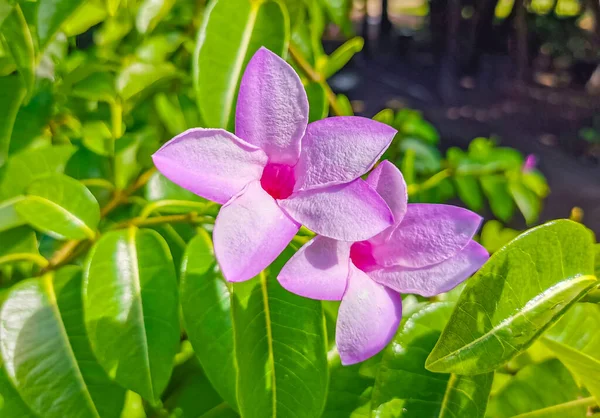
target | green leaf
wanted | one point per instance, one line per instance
(469, 192)
(161, 188)
(60, 206)
(575, 341)
(51, 14)
(6, 7)
(131, 309)
(219, 61)
(495, 188)
(385, 116)
(20, 43)
(170, 113)
(157, 49)
(529, 204)
(46, 354)
(150, 13)
(9, 218)
(140, 76)
(21, 240)
(98, 86)
(317, 100)
(341, 56)
(280, 348)
(89, 14)
(495, 236)
(339, 13)
(544, 390)
(206, 306)
(344, 105)
(98, 138)
(13, 92)
(30, 165)
(32, 120)
(404, 388)
(11, 404)
(349, 390)
(522, 290)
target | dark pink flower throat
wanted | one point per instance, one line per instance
(361, 254)
(278, 180)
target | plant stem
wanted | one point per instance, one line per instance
(316, 77)
(191, 217)
(430, 182)
(35, 258)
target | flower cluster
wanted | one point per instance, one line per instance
(279, 172)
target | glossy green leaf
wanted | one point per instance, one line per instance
(528, 203)
(576, 342)
(51, 14)
(522, 290)
(317, 100)
(60, 206)
(219, 61)
(150, 13)
(11, 404)
(139, 76)
(206, 306)
(161, 188)
(131, 309)
(543, 390)
(341, 56)
(46, 353)
(30, 165)
(404, 388)
(13, 93)
(20, 43)
(280, 348)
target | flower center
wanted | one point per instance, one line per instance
(278, 180)
(361, 254)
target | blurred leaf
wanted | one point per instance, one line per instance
(404, 388)
(544, 390)
(158, 48)
(46, 353)
(206, 306)
(494, 236)
(576, 342)
(527, 202)
(170, 113)
(20, 43)
(501, 202)
(161, 188)
(113, 29)
(339, 13)
(126, 165)
(139, 76)
(150, 13)
(13, 93)
(131, 309)
(536, 182)
(317, 100)
(27, 166)
(98, 86)
(344, 105)
(19, 240)
(6, 7)
(60, 206)
(219, 61)
(9, 218)
(410, 123)
(341, 56)
(112, 6)
(522, 290)
(85, 164)
(469, 192)
(427, 158)
(385, 116)
(349, 391)
(295, 9)
(32, 119)
(280, 348)
(89, 14)
(51, 14)
(98, 138)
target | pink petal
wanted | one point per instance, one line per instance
(435, 279)
(348, 212)
(368, 318)
(340, 149)
(250, 232)
(272, 107)
(212, 163)
(428, 234)
(388, 181)
(319, 270)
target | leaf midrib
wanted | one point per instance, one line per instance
(556, 289)
(81, 224)
(555, 408)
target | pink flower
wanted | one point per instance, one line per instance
(277, 172)
(529, 164)
(429, 250)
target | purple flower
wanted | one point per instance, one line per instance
(529, 164)
(429, 250)
(277, 172)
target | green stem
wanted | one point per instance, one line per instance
(430, 183)
(35, 258)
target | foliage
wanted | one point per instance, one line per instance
(113, 305)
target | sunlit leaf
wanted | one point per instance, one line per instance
(51, 14)
(46, 354)
(150, 13)
(522, 290)
(131, 309)
(138, 77)
(341, 56)
(20, 43)
(219, 61)
(13, 93)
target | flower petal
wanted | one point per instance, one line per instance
(428, 234)
(368, 318)
(389, 183)
(435, 279)
(212, 163)
(250, 232)
(340, 149)
(272, 107)
(348, 212)
(319, 270)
